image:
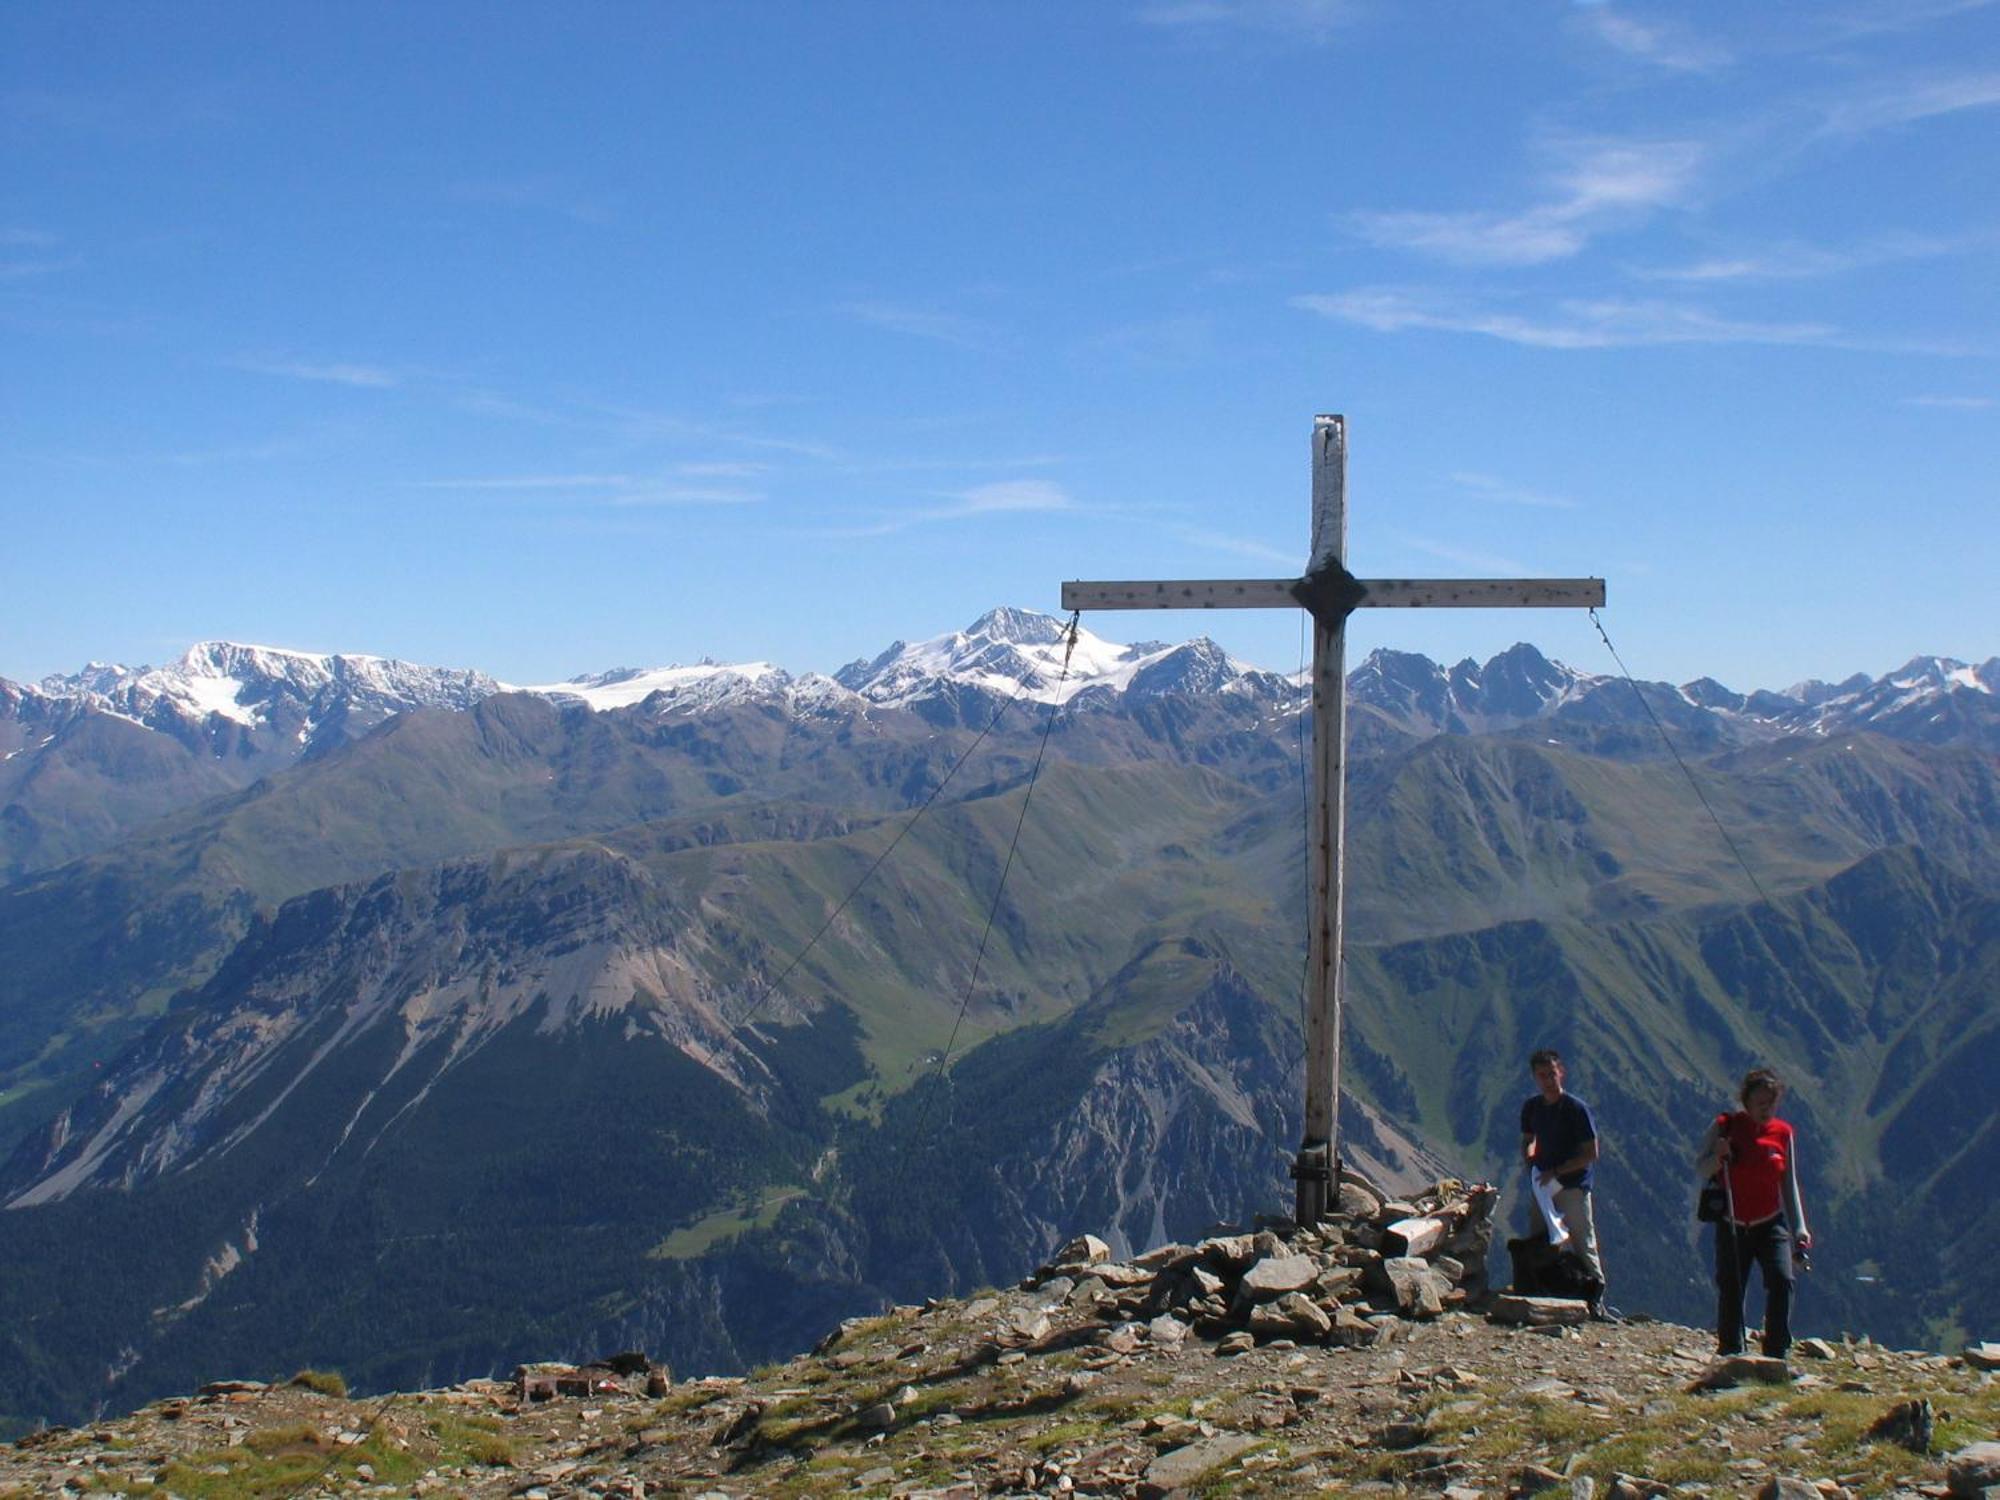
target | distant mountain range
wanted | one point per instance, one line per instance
(362, 1014)
(75, 771)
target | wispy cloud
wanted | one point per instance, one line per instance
(1795, 261)
(1009, 494)
(685, 494)
(1004, 497)
(1907, 100)
(1860, 18)
(960, 463)
(1308, 20)
(1502, 492)
(1571, 324)
(15, 237)
(606, 489)
(537, 194)
(1171, 342)
(1288, 563)
(723, 470)
(1951, 403)
(531, 482)
(1596, 186)
(1663, 45)
(21, 270)
(374, 377)
(925, 323)
(1477, 562)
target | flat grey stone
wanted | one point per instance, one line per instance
(1418, 1236)
(1275, 1275)
(1182, 1466)
(1509, 1307)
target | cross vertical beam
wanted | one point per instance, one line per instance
(1329, 593)
(1315, 1167)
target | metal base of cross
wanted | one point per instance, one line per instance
(1315, 1170)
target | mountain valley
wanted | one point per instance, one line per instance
(399, 1021)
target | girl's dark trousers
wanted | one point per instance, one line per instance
(1768, 1245)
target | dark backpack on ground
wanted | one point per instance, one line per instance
(1540, 1270)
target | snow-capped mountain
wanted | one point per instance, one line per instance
(1932, 699)
(1009, 650)
(220, 688)
(705, 685)
(248, 708)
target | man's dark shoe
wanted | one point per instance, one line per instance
(1599, 1313)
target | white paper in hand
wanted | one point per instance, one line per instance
(1545, 1200)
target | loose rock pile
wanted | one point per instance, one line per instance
(625, 1374)
(1349, 1281)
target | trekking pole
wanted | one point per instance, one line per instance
(1728, 1227)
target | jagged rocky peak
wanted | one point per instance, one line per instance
(1519, 683)
(1706, 692)
(1021, 627)
(1200, 666)
(1812, 692)
(1944, 672)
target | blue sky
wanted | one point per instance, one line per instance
(546, 339)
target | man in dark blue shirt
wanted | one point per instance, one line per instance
(1559, 1145)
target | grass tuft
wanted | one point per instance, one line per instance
(326, 1382)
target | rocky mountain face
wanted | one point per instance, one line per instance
(565, 1018)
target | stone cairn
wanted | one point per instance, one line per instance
(1349, 1281)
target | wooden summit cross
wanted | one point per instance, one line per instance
(1330, 594)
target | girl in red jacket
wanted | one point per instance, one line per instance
(1759, 1156)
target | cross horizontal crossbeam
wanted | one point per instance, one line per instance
(1377, 593)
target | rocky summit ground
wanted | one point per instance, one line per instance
(1021, 1392)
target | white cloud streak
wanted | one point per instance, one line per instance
(370, 377)
(1004, 497)
(925, 323)
(1599, 186)
(1951, 403)
(1665, 46)
(1906, 101)
(1315, 21)
(1502, 492)
(673, 495)
(607, 489)
(531, 482)
(1288, 563)
(538, 194)
(21, 270)
(1573, 324)
(1797, 262)
(1477, 562)
(1010, 494)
